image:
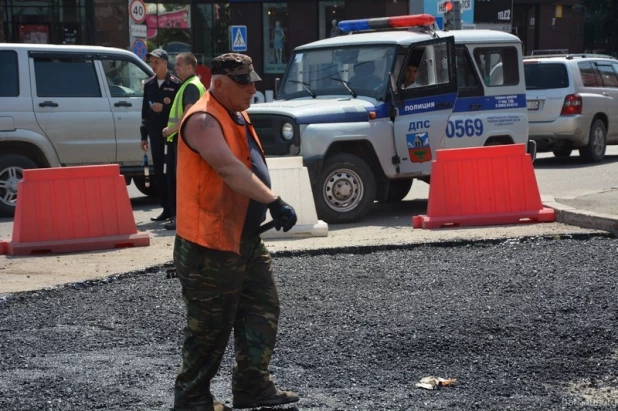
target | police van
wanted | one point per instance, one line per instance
(364, 133)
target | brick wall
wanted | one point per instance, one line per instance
(111, 20)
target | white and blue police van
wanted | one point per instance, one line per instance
(343, 105)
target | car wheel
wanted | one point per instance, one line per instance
(12, 167)
(345, 190)
(563, 152)
(594, 151)
(140, 184)
(397, 190)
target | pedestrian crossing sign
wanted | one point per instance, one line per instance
(238, 38)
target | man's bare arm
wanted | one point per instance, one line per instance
(204, 134)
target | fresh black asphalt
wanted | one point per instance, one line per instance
(522, 324)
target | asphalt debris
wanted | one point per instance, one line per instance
(521, 324)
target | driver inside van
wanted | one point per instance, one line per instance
(409, 79)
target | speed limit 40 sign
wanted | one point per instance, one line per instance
(137, 10)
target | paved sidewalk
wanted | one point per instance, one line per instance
(38, 272)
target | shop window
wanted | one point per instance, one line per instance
(169, 27)
(498, 67)
(124, 78)
(9, 87)
(275, 37)
(47, 21)
(57, 77)
(331, 13)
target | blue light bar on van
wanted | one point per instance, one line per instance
(413, 20)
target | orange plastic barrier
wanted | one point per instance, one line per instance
(73, 209)
(483, 186)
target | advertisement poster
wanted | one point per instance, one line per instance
(170, 16)
(34, 33)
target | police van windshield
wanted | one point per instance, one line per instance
(362, 69)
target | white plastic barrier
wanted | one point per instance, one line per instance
(290, 180)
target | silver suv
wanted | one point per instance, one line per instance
(572, 103)
(68, 106)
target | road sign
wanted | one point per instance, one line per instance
(139, 48)
(138, 30)
(137, 10)
(238, 38)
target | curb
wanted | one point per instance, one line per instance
(585, 219)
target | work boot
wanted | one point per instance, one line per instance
(165, 215)
(270, 399)
(171, 225)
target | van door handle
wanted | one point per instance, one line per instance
(446, 104)
(48, 104)
(605, 93)
(476, 106)
(123, 104)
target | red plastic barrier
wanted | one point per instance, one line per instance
(483, 186)
(73, 209)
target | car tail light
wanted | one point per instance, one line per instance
(572, 105)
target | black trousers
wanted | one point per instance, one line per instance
(172, 156)
(157, 149)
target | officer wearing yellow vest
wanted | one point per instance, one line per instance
(190, 91)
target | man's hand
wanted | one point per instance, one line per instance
(166, 132)
(144, 145)
(283, 214)
(156, 107)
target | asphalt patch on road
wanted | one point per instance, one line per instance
(521, 324)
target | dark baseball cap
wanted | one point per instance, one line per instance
(236, 66)
(162, 54)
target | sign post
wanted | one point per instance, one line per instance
(138, 30)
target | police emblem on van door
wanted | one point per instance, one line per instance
(418, 147)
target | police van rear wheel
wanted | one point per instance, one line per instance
(346, 189)
(12, 167)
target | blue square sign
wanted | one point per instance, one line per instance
(238, 38)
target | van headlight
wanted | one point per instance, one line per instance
(287, 131)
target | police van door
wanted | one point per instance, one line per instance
(427, 88)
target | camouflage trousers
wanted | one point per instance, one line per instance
(224, 291)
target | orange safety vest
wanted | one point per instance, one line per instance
(209, 212)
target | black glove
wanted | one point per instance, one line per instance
(144, 133)
(283, 214)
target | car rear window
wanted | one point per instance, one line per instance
(545, 76)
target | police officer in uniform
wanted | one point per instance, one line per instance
(159, 93)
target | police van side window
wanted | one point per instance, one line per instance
(66, 77)
(425, 66)
(498, 66)
(590, 76)
(9, 86)
(124, 78)
(466, 75)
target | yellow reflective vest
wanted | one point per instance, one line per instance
(177, 109)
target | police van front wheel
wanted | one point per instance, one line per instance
(345, 190)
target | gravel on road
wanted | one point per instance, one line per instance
(522, 324)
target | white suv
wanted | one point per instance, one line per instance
(572, 103)
(68, 106)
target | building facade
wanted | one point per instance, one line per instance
(273, 27)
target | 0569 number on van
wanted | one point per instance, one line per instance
(464, 128)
